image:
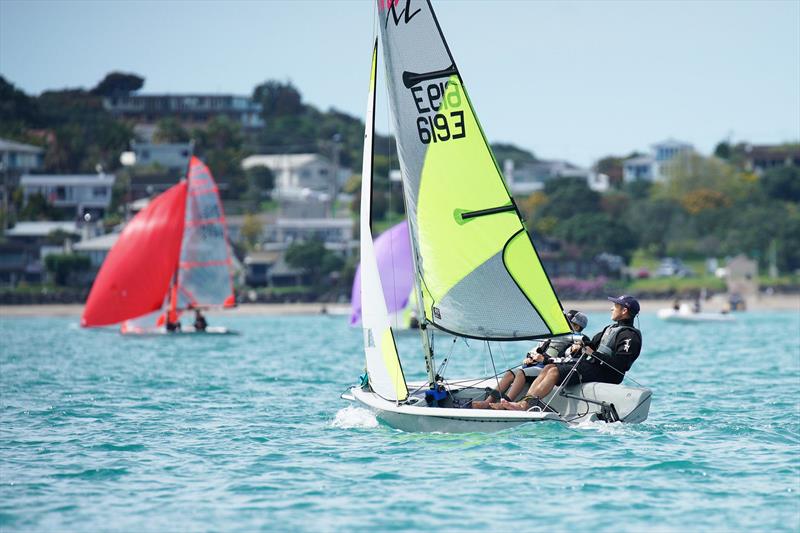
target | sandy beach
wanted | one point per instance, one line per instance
(763, 303)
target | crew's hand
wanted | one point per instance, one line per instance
(536, 358)
(588, 350)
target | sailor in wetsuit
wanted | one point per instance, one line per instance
(200, 323)
(607, 357)
(552, 350)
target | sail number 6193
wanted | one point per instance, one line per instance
(441, 127)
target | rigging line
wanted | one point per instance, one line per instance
(566, 379)
(496, 378)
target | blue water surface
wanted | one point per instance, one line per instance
(101, 432)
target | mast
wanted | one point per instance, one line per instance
(172, 315)
(427, 349)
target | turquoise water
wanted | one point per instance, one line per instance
(248, 432)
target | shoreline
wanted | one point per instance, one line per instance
(763, 303)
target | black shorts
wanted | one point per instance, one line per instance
(585, 373)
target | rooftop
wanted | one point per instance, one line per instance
(103, 243)
(68, 179)
(41, 228)
(279, 160)
(7, 145)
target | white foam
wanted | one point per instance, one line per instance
(616, 428)
(354, 417)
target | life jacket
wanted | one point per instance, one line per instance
(609, 339)
(558, 345)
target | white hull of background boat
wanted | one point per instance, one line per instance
(631, 405)
(210, 330)
(671, 315)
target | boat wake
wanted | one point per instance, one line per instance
(600, 426)
(354, 417)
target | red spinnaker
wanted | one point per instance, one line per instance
(136, 275)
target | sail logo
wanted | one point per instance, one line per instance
(369, 340)
(405, 14)
(438, 104)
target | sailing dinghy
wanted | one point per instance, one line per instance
(174, 256)
(476, 272)
(393, 253)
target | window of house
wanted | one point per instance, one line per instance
(99, 192)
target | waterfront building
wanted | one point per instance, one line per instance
(659, 164)
(189, 109)
(298, 176)
(87, 194)
(526, 178)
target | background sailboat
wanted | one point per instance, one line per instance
(173, 256)
(396, 268)
(477, 274)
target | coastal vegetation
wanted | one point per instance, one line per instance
(708, 207)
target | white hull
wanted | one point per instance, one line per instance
(671, 315)
(632, 405)
(210, 330)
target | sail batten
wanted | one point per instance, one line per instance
(479, 272)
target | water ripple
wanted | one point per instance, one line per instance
(249, 433)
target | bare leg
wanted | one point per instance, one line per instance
(508, 378)
(517, 385)
(540, 388)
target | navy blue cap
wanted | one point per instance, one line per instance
(627, 301)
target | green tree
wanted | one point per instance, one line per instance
(38, 208)
(118, 84)
(723, 150)
(782, 183)
(519, 156)
(260, 182)
(220, 146)
(278, 99)
(170, 130)
(307, 256)
(567, 196)
(64, 266)
(251, 231)
(312, 257)
(611, 166)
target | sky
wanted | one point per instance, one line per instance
(567, 80)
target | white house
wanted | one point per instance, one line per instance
(87, 193)
(336, 233)
(657, 166)
(20, 157)
(296, 174)
(527, 178)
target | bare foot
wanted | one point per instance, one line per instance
(482, 404)
(499, 406)
(514, 406)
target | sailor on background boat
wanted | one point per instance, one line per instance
(173, 323)
(557, 349)
(200, 323)
(605, 358)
